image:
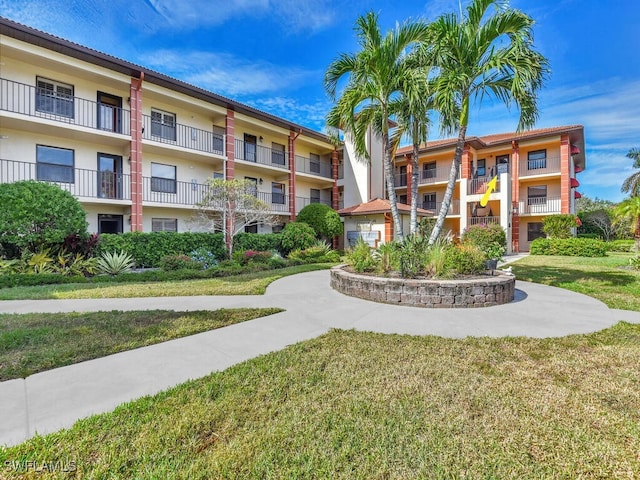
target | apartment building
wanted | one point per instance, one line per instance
(136, 147)
(535, 175)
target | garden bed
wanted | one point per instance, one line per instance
(481, 291)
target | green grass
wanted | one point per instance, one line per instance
(246, 284)
(601, 278)
(352, 405)
(34, 342)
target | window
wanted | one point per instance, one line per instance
(54, 97)
(251, 228)
(250, 147)
(534, 230)
(403, 176)
(502, 163)
(314, 193)
(314, 163)
(402, 199)
(163, 124)
(277, 193)
(277, 153)
(537, 195)
(54, 164)
(537, 159)
(163, 178)
(108, 223)
(481, 169)
(429, 201)
(429, 170)
(164, 224)
(254, 189)
(277, 228)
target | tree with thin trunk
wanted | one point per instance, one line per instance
(476, 54)
(228, 206)
(631, 184)
(630, 209)
(374, 77)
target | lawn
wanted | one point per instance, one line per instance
(246, 284)
(604, 278)
(35, 342)
(352, 405)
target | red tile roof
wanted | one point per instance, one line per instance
(379, 205)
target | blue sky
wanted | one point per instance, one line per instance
(272, 54)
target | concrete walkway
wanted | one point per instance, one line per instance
(55, 399)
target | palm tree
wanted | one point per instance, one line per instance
(632, 184)
(630, 209)
(375, 76)
(482, 54)
(411, 111)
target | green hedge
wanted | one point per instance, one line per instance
(621, 246)
(572, 247)
(259, 242)
(148, 249)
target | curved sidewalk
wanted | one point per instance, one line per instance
(48, 401)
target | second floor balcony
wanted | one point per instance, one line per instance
(540, 205)
(314, 166)
(185, 136)
(63, 108)
(479, 185)
(539, 166)
(454, 207)
(251, 152)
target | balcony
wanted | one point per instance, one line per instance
(542, 166)
(454, 207)
(540, 205)
(479, 185)
(435, 175)
(182, 136)
(81, 183)
(313, 167)
(302, 202)
(483, 220)
(40, 103)
(250, 152)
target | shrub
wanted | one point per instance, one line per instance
(361, 258)
(413, 256)
(315, 254)
(634, 262)
(148, 249)
(588, 235)
(257, 241)
(324, 220)
(179, 262)
(253, 256)
(623, 246)
(559, 226)
(387, 254)
(297, 236)
(437, 264)
(115, 263)
(572, 247)
(490, 239)
(37, 216)
(204, 258)
(466, 259)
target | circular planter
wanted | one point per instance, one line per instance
(485, 291)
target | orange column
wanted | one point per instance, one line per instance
(230, 138)
(409, 180)
(388, 228)
(136, 153)
(292, 175)
(565, 182)
(466, 162)
(515, 196)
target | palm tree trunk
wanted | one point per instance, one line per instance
(451, 185)
(391, 190)
(414, 189)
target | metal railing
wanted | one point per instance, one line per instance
(28, 100)
(174, 192)
(340, 172)
(435, 175)
(483, 220)
(251, 152)
(479, 185)
(543, 205)
(321, 167)
(182, 136)
(279, 202)
(539, 166)
(302, 202)
(454, 207)
(79, 182)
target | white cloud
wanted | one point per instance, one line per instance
(226, 74)
(311, 115)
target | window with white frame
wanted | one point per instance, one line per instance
(163, 124)
(54, 97)
(481, 168)
(537, 159)
(164, 224)
(537, 195)
(163, 178)
(54, 164)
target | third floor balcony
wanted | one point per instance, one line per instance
(171, 133)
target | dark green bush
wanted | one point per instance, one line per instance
(559, 226)
(324, 220)
(257, 241)
(489, 238)
(297, 236)
(572, 247)
(588, 235)
(148, 249)
(624, 246)
(29, 280)
(314, 255)
(37, 216)
(466, 259)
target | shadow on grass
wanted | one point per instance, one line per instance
(556, 276)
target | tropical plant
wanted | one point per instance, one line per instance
(114, 263)
(75, 264)
(8, 267)
(559, 226)
(481, 54)
(631, 184)
(324, 220)
(437, 264)
(40, 262)
(387, 255)
(361, 258)
(375, 76)
(413, 256)
(630, 209)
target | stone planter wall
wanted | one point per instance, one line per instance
(481, 292)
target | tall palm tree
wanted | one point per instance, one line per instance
(411, 111)
(632, 184)
(374, 77)
(630, 209)
(482, 53)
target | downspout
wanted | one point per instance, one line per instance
(136, 128)
(292, 173)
